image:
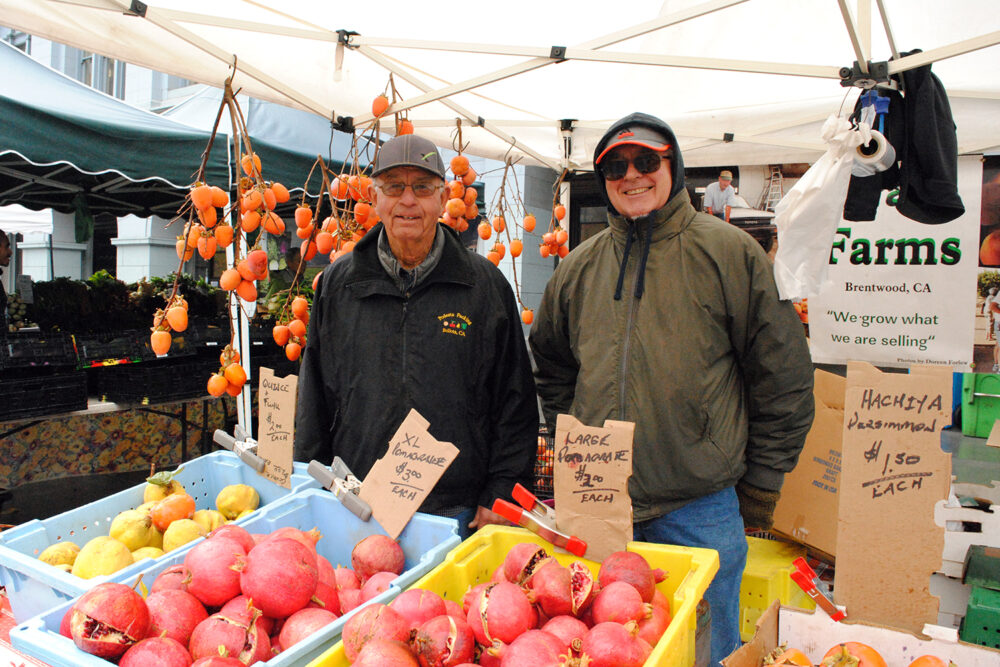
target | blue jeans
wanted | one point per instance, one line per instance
(713, 522)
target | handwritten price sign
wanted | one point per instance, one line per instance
(399, 481)
(276, 401)
(590, 479)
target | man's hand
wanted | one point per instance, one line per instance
(485, 517)
(708, 209)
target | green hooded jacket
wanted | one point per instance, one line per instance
(711, 367)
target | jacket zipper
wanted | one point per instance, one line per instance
(402, 326)
(626, 343)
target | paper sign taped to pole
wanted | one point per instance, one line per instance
(399, 482)
(590, 477)
(276, 400)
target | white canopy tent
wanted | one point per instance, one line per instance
(766, 72)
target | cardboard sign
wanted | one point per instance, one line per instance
(399, 481)
(807, 509)
(894, 471)
(276, 401)
(994, 439)
(590, 478)
(24, 288)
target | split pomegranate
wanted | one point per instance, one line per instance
(550, 589)
(502, 612)
(235, 631)
(522, 561)
(444, 641)
(108, 619)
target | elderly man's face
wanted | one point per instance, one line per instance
(724, 183)
(638, 194)
(408, 218)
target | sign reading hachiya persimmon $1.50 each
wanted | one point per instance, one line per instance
(590, 479)
(399, 481)
(894, 472)
(276, 400)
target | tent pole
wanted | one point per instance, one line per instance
(852, 31)
(888, 29)
(535, 63)
(944, 52)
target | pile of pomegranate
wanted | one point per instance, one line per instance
(238, 598)
(534, 612)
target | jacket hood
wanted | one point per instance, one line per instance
(657, 125)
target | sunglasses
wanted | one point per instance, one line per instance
(420, 190)
(645, 163)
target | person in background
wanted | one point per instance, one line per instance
(720, 197)
(412, 319)
(5, 254)
(670, 319)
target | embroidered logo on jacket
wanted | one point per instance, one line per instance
(454, 323)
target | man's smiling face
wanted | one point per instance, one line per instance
(638, 194)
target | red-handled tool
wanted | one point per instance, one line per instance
(806, 578)
(539, 518)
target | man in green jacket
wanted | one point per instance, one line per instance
(670, 319)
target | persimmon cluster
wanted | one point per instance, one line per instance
(554, 241)
(231, 377)
(172, 318)
(461, 205)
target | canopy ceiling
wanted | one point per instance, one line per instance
(765, 72)
(60, 139)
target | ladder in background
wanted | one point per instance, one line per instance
(774, 191)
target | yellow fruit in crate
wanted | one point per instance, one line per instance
(236, 499)
(181, 532)
(132, 528)
(64, 567)
(155, 538)
(60, 553)
(161, 485)
(147, 507)
(209, 519)
(243, 513)
(146, 552)
(101, 555)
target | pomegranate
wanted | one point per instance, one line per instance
(235, 532)
(522, 562)
(279, 576)
(376, 621)
(535, 648)
(377, 583)
(108, 619)
(620, 602)
(582, 586)
(217, 661)
(631, 568)
(385, 653)
(346, 578)
(213, 579)
(303, 623)
(325, 597)
(64, 624)
(567, 628)
(614, 645)
(452, 608)
(652, 628)
(550, 589)
(471, 596)
(236, 632)
(175, 577)
(159, 651)
(242, 603)
(444, 641)
(349, 599)
(325, 570)
(174, 614)
(377, 553)
(307, 538)
(501, 612)
(418, 606)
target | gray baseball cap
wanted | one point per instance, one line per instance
(409, 150)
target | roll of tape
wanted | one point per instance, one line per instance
(867, 163)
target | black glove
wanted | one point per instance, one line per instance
(756, 505)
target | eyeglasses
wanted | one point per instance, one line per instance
(421, 190)
(645, 163)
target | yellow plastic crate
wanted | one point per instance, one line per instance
(766, 579)
(689, 572)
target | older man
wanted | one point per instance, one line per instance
(670, 319)
(412, 319)
(720, 197)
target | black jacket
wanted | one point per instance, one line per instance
(453, 350)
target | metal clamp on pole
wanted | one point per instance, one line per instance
(245, 448)
(339, 479)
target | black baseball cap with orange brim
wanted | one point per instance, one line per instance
(636, 135)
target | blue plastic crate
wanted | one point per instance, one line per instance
(426, 542)
(34, 587)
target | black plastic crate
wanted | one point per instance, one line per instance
(40, 394)
(27, 349)
(100, 349)
(155, 382)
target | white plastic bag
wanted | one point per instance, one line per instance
(807, 217)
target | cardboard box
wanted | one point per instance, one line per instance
(814, 634)
(807, 509)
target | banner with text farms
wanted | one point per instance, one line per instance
(900, 292)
